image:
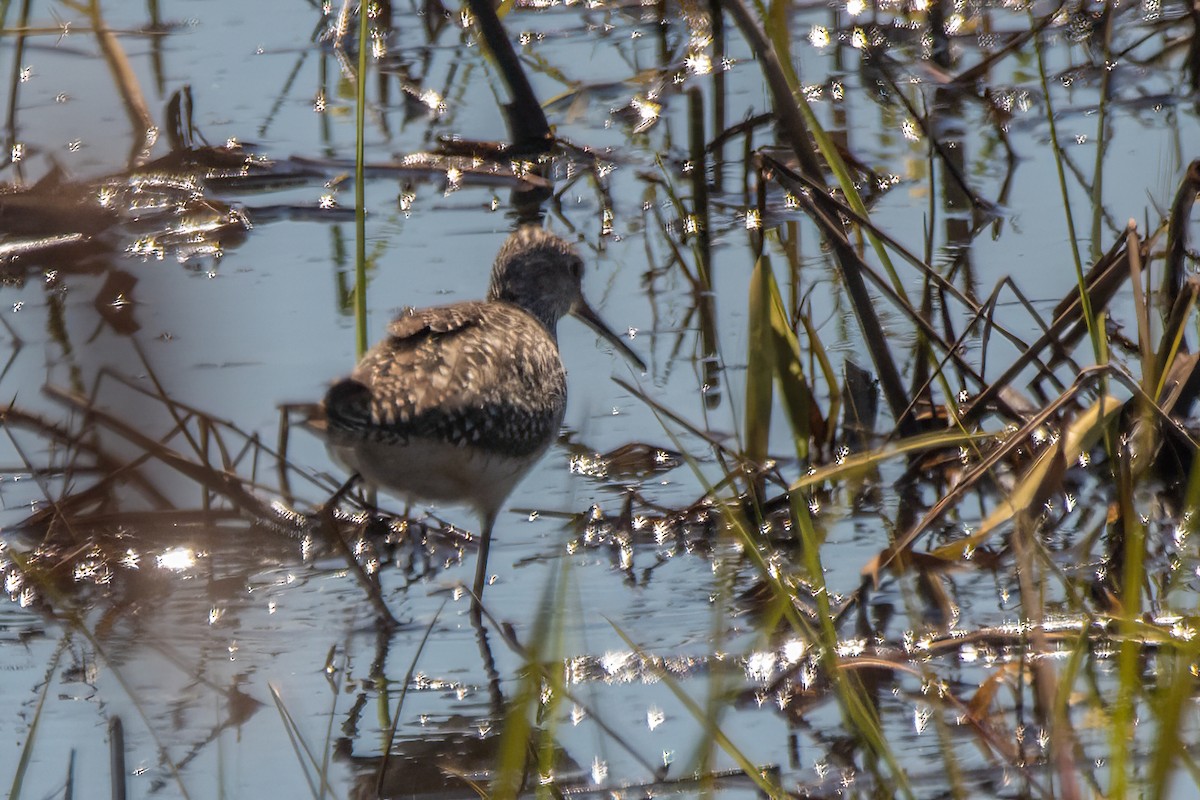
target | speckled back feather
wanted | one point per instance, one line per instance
(476, 374)
(484, 374)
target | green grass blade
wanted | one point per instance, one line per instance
(789, 370)
(1095, 330)
(304, 754)
(408, 677)
(360, 202)
(512, 759)
(14, 793)
(759, 363)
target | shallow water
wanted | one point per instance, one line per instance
(243, 662)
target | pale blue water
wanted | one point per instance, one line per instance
(264, 325)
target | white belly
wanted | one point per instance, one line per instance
(425, 470)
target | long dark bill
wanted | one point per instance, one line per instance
(584, 312)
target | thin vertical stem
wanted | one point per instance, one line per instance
(360, 206)
(1084, 298)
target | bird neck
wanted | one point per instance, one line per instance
(545, 313)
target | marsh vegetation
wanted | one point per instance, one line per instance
(901, 505)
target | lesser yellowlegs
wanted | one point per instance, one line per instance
(459, 401)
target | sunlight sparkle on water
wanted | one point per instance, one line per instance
(647, 111)
(616, 665)
(920, 719)
(433, 100)
(819, 36)
(760, 666)
(699, 63)
(851, 648)
(92, 569)
(654, 717)
(593, 466)
(176, 559)
(793, 650)
(808, 675)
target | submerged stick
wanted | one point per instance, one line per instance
(116, 755)
(527, 123)
(126, 80)
(1177, 237)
